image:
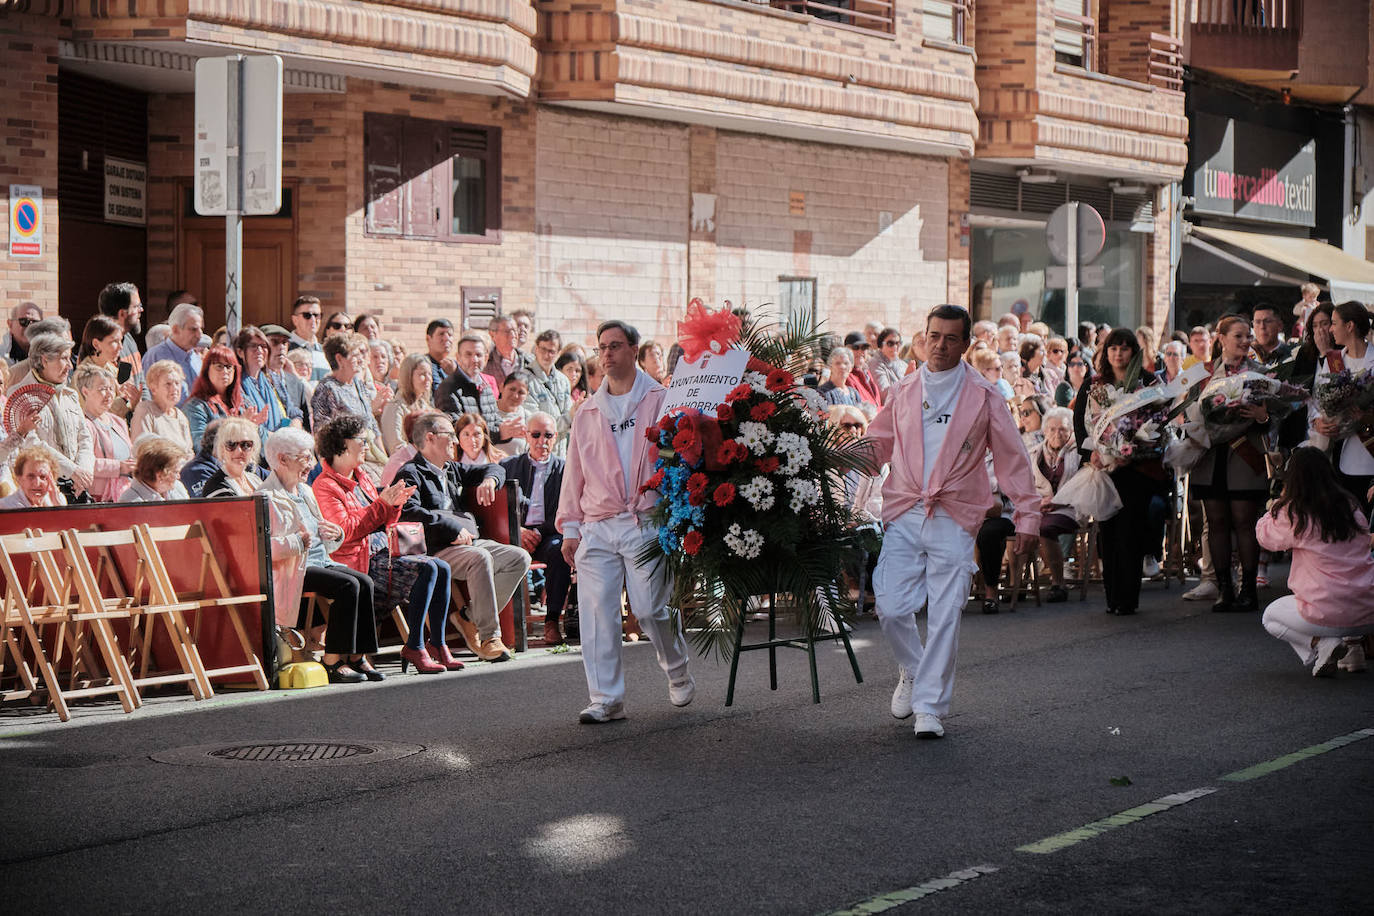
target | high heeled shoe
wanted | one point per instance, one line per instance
(341, 673)
(441, 654)
(421, 660)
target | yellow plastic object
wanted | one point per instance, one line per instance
(300, 675)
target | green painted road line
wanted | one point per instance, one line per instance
(908, 894)
(1097, 828)
(1287, 760)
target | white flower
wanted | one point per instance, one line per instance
(795, 452)
(812, 398)
(755, 437)
(759, 493)
(1148, 431)
(744, 542)
(804, 493)
(759, 382)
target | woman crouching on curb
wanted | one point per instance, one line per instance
(1330, 615)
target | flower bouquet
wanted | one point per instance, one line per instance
(1132, 426)
(1347, 398)
(750, 499)
(1222, 399)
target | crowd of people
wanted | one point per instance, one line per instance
(346, 435)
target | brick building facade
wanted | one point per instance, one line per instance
(588, 160)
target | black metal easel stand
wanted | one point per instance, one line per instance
(806, 643)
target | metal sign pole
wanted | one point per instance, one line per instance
(1071, 280)
(233, 181)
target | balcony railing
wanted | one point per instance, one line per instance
(870, 15)
(947, 20)
(1166, 62)
(1246, 35)
(1248, 14)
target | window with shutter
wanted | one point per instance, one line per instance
(431, 179)
(382, 173)
(797, 296)
(480, 305)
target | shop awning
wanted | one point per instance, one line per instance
(1349, 277)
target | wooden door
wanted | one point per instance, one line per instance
(268, 271)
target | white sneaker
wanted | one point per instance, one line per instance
(1330, 650)
(1151, 568)
(901, 697)
(1354, 660)
(599, 713)
(928, 726)
(680, 692)
(1206, 590)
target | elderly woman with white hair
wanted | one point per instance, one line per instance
(837, 389)
(1053, 463)
(158, 414)
(236, 449)
(302, 540)
(61, 424)
(157, 471)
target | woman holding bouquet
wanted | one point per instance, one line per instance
(1349, 455)
(1231, 478)
(1124, 536)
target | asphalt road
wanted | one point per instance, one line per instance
(1064, 718)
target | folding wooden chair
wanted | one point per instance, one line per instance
(211, 592)
(71, 609)
(142, 605)
(1085, 559)
(1021, 576)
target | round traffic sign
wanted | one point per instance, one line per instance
(1092, 233)
(25, 217)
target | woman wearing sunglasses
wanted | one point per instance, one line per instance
(236, 449)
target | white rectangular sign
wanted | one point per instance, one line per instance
(260, 130)
(703, 384)
(26, 221)
(126, 190)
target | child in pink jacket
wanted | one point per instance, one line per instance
(1331, 609)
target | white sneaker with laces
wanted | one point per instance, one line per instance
(901, 697)
(681, 691)
(1206, 590)
(1151, 567)
(1355, 659)
(599, 713)
(1330, 650)
(928, 726)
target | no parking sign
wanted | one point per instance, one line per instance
(26, 221)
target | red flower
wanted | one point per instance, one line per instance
(696, 499)
(724, 495)
(691, 542)
(686, 437)
(763, 411)
(651, 433)
(731, 452)
(768, 465)
(740, 392)
(757, 365)
(779, 380)
(667, 421)
(698, 483)
(654, 482)
(724, 413)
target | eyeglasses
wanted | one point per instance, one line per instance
(1058, 350)
(1076, 364)
(446, 434)
(543, 435)
(25, 322)
(892, 343)
(223, 366)
(337, 325)
(242, 445)
(607, 349)
(310, 315)
(1029, 412)
(851, 425)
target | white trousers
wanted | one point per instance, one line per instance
(924, 561)
(607, 561)
(1283, 621)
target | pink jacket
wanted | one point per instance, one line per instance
(1334, 583)
(959, 481)
(108, 483)
(594, 487)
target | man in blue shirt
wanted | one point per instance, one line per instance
(188, 324)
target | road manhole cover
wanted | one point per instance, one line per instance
(287, 753)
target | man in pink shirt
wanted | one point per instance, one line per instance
(603, 518)
(938, 426)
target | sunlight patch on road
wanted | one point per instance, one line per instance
(580, 843)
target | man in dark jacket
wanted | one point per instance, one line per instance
(491, 570)
(540, 476)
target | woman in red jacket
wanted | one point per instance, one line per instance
(348, 499)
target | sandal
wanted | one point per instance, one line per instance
(366, 670)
